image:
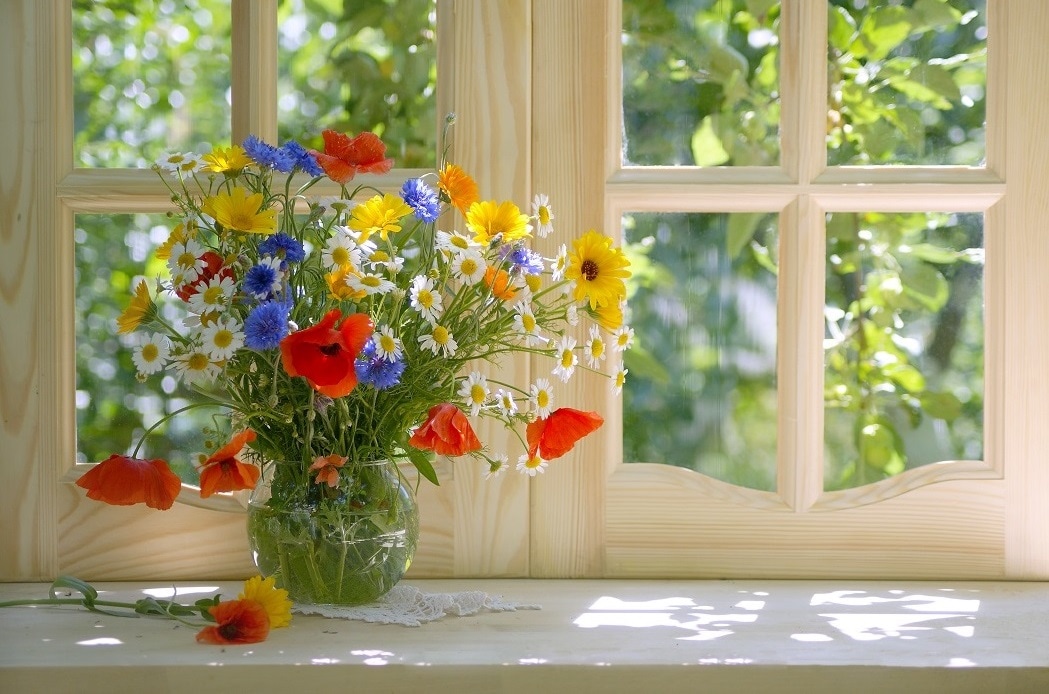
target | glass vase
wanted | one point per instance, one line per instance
(343, 545)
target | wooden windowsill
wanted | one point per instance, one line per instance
(590, 635)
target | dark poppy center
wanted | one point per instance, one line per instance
(330, 350)
(229, 631)
(589, 269)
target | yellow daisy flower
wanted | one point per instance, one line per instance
(180, 234)
(460, 189)
(488, 219)
(379, 215)
(598, 270)
(137, 310)
(338, 284)
(227, 160)
(239, 211)
(609, 316)
(274, 600)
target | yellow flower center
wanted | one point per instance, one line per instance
(440, 335)
(459, 242)
(150, 352)
(620, 379)
(187, 259)
(213, 296)
(542, 399)
(623, 339)
(533, 461)
(223, 338)
(340, 256)
(468, 266)
(544, 215)
(197, 362)
(597, 348)
(241, 220)
(566, 358)
(477, 394)
(533, 282)
(528, 322)
(379, 257)
(387, 343)
(425, 298)
(370, 281)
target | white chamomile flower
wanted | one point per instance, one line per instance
(559, 264)
(474, 391)
(542, 398)
(504, 400)
(387, 345)
(531, 465)
(525, 324)
(572, 314)
(341, 250)
(341, 207)
(594, 348)
(195, 367)
(469, 266)
(566, 358)
(440, 341)
(185, 163)
(222, 338)
(151, 356)
(425, 300)
(186, 262)
(380, 258)
(543, 215)
(454, 242)
(370, 284)
(623, 338)
(497, 466)
(619, 380)
(213, 296)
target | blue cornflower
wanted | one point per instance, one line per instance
(301, 158)
(524, 260)
(422, 199)
(266, 155)
(266, 325)
(288, 248)
(376, 370)
(263, 280)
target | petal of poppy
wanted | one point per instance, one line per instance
(237, 621)
(236, 443)
(335, 169)
(122, 481)
(229, 475)
(446, 431)
(557, 434)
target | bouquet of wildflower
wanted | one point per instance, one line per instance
(343, 330)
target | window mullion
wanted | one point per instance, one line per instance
(254, 69)
(803, 89)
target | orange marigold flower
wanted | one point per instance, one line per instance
(327, 467)
(237, 621)
(345, 157)
(224, 472)
(447, 431)
(500, 283)
(122, 481)
(324, 354)
(557, 434)
(140, 306)
(458, 186)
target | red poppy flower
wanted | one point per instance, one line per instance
(213, 267)
(224, 472)
(447, 431)
(324, 354)
(122, 481)
(557, 434)
(238, 621)
(344, 156)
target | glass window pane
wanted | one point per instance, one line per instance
(149, 78)
(360, 66)
(701, 82)
(907, 82)
(903, 344)
(701, 389)
(113, 253)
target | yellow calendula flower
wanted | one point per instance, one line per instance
(274, 600)
(238, 210)
(137, 310)
(458, 187)
(489, 219)
(609, 316)
(338, 284)
(598, 270)
(227, 160)
(180, 234)
(379, 215)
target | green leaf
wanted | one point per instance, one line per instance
(841, 27)
(421, 461)
(930, 84)
(932, 254)
(944, 406)
(935, 14)
(908, 377)
(707, 149)
(741, 228)
(925, 285)
(881, 31)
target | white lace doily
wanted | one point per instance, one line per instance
(412, 607)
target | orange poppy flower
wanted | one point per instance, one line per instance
(460, 188)
(447, 431)
(344, 157)
(224, 472)
(500, 283)
(324, 354)
(557, 434)
(122, 481)
(213, 267)
(237, 621)
(327, 467)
